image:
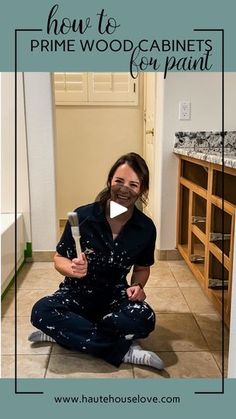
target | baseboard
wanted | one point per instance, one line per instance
(172, 254)
(43, 256)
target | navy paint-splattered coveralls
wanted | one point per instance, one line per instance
(93, 314)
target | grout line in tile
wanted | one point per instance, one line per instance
(186, 301)
(195, 320)
(216, 363)
(48, 361)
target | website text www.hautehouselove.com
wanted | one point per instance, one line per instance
(118, 399)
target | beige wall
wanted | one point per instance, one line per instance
(89, 139)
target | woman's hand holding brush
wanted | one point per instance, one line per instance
(79, 266)
(75, 268)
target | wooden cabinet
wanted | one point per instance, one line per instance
(206, 226)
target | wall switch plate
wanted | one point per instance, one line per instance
(185, 110)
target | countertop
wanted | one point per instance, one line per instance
(207, 146)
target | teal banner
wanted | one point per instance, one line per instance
(111, 36)
(169, 399)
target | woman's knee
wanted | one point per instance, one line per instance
(40, 308)
(140, 316)
(148, 316)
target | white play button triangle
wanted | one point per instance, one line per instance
(116, 209)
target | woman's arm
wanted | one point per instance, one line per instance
(140, 275)
(75, 268)
(138, 280)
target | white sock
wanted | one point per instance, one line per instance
(136, 355)
(39, 336)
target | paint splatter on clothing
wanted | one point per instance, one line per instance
(109, 261)
(101, 327)
(93, 314)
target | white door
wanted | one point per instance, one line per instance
(149, 136)
(95, 126)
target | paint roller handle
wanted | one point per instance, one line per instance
(78, 247)
(76, 237)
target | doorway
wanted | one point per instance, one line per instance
(90, 136)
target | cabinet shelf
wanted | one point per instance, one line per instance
(195, 173)
(206, 227)
(197, 268)
(199, 212)
(219, 255)
(217, 297)
(224, 183)
(200, 267)
(200, 235)
(218, 202)
(216, 237)
(197, 189)
(215, 283)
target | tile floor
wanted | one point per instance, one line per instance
(187, 335)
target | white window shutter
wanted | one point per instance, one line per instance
(112, 88)
(70, 88)
(95, 89)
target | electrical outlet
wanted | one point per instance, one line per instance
(185, 110)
